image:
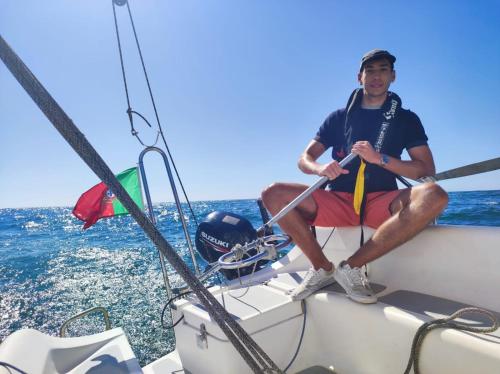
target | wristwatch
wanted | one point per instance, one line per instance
(384, 159)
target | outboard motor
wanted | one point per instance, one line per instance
(220, 232)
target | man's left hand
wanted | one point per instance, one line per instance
(365, 150)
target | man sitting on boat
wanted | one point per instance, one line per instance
(374, 126)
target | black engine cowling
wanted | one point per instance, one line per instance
(220, 232)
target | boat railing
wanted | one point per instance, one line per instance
(179, 210)
(105, 314)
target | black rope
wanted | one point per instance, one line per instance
(140, 115)
(265, 230)
(166, 306)
(9, 366)
(304, 308)
(249, 350)
(327, 239)
(301, 337)
(130, 111)
(404, 181)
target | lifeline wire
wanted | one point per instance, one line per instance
(129, 109)
(249, 350)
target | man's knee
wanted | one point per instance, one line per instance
(435, 195)
(273, 192)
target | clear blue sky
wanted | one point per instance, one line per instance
(241, 87)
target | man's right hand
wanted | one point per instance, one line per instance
(332, 170)
(309, 165)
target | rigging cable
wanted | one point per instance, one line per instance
(130, 112)
(255, 357)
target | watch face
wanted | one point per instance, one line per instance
(385, 159)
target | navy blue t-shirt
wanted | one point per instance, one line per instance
(405, 131)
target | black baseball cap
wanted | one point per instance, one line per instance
(376, 54)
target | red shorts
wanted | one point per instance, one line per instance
(335, 209)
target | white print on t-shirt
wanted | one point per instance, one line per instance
(391, 112)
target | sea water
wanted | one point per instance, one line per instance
(50, 269)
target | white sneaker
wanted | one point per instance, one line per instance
(355, 284)
(313, 281)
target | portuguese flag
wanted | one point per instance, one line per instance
(99, 202)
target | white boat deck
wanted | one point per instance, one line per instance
(437, 273)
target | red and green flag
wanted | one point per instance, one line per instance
(99, 202)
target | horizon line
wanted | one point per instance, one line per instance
(198, 201)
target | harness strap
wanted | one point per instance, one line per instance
(390, 107)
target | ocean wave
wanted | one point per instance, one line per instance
(51, 269)
(491, 202)
(32, 225)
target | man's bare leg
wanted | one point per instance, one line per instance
(295, 224)
(412, 210)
